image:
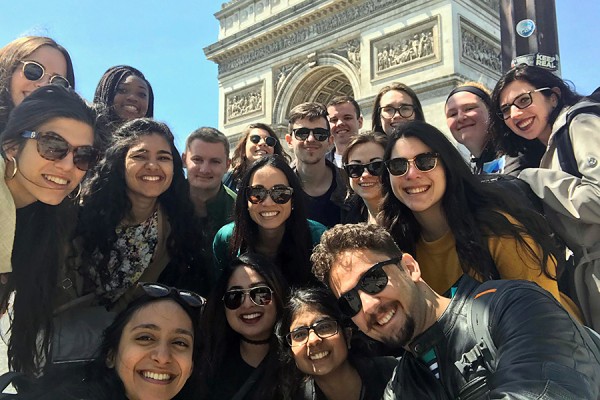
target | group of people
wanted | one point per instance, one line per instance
(264, 276)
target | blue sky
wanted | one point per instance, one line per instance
(166, 42)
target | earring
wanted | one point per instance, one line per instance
(15, 168)
(70, 196)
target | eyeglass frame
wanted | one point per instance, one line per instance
(269, 193)
(311, 131)
(288, 336)
(508, 107)
(44, 73)
(184, 295)
(35, 135)
(368, 167)
(247, 292)
(398, 110)
(266, 139)
(409, 161)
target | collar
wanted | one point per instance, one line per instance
(8, 216)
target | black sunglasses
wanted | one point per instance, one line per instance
(356, 170)
(158, 290)
(53, 147)
(280, 194)
(260, 295)
(322, 329)
(372, 282)
(424, 162)
(269, 140)
(320, 134)
(35, 71)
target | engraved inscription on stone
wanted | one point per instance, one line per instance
(247, 101)
(479, 48)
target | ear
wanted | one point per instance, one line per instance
(412, 267)
(557, 94)
(110, 360)
(288, 139)
(10, 149)
(228, 162)
(360, 122)
(183, 158)
(348, 336)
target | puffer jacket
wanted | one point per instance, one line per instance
(541, 353)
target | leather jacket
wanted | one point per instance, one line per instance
(541, 354)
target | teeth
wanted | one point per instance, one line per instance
(56, 179)
(156, 377)
(260, 152)
(386, 318)
(251, 316)
(416, 190)
(131, 108)
(525, 123)
(366, 184)
(269, 213)
(318, 356)
(150, 178)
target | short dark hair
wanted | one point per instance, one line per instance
(341, 238)
(311, 111)
(208, 135)
(400, 87)
(344, 99)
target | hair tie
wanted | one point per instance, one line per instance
(472, 89)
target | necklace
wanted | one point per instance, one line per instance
(257, 342)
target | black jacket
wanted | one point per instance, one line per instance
(540, 352)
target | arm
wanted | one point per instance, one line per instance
(565, 193)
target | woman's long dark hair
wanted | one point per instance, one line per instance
(219, 338)
(106, 204)
(40, 236)
(293, 255)
(506, 140)
(475, 211)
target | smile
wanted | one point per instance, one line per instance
(156, 376)
(56, 179)
(386, 318)
(268, 214)
(260, 152)
(151, 178)
(131, 108)
(251, 316)
(416, 190)
(367, 184)
(524, 124)
(319, 355)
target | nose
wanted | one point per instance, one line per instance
(369, 302)
(515, 111)
(313, 338)
(66, 163)
(162, 353)
(413, 171)
(151, 164)
(311, 137)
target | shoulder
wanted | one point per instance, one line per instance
(225, 232)
(316, 230)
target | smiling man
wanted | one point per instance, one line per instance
(345, 121)
(541, 351)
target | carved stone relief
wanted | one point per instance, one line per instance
(350, 50)
(493, 4)
(478, 47)
(244, 102)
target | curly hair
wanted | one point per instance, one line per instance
(400, 87)
(106, 204)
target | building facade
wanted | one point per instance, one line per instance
(275, 54)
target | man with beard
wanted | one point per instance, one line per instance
(538, 350)
(310, 138)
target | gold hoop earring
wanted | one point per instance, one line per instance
(70, 196)
(15, 168)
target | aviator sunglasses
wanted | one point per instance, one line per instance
(157, 290)
(322, 329)
(260, 295)
(356, 170)
(372, 282)
(53, 147)
(424, 162)
(280, 194)
(34, 71)
(269, 140)
(320, 134)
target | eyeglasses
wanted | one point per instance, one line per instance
(53, 147)
(260, 295)
(280, 194)
(320, 134)
(372, 282)
(521, 101)
(157, 290)
(322, 329)
(269, 140)
(405, 111)
(35, 71)
(424, 162)
(356, 170)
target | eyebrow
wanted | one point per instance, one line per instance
(154, 327)
(371, 160)
(142, 150)
(256, 284)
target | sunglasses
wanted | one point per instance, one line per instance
(521, 101)
(356, 170)
(34, 71)
(53, 147)
(322, 329)
(157, 290)
(260, 295)
(372, 282)
(405, 111)
(269, 140)
(424, 162)
(320, 134)
(280, 194)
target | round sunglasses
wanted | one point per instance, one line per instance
(260, 295)
(280, 194)
(424, 162)
(35, 71)
(322, 329)
(372, 282)
(158, 290)
(53, 147)
(320, 134)
(269, 140)
(356, 170)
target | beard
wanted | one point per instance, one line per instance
(403, 336)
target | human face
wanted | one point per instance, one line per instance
(530, 122)
(367, 186)
(318, 356)
(250, 320)
(344, 124)
(467, 118)
(388, 316)
(43, 180)
(421, 192)
(309, 151)
(394, 98)
(267, 214)
(51, 59)
(131, 99)
(154, 358)
(206, 163)
(260, 149)
(148, 167)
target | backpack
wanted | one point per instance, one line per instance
(564, 147)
